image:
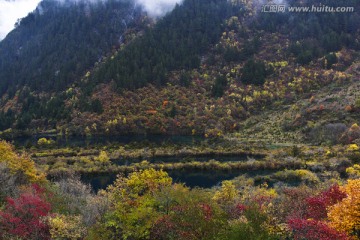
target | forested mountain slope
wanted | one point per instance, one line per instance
(55, 45)
(203, 68)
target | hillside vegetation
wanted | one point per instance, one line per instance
(269, 97)
(202, 69)
(146, 204)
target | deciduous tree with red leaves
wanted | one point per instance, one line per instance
(25, 217)
(312, 225)
(317, 205)
(314, 230)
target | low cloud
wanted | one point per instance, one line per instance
(11, 11)
(158, 7)
(154, 8)
(280, 2)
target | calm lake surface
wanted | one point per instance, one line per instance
(107, 140)
(202, 158)
(191, 178)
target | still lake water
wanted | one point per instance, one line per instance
(191, 178)
(108, 140)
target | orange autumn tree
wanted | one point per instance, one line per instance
(19, 164)
(345, 215)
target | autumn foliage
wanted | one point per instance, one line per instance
(312, 224)
(345, 215)
(313, 230)
(146, 204)
(25, 217)
(317, 205)
(19, 164)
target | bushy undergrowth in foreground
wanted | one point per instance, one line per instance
(146, 204)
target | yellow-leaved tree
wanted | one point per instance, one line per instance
(133, 203)
(66, 227)
(227, 193)
(354, 171)
(19, 164)
(345, 215)
(103, 157)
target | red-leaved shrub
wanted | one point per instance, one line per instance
(313, 230)
(316, 206)
(24, 217)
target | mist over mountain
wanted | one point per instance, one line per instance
(158, 8)
(56, 43)
(13, 10)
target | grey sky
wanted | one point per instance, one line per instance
(11, 10)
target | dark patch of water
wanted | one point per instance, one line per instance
(191, 178)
